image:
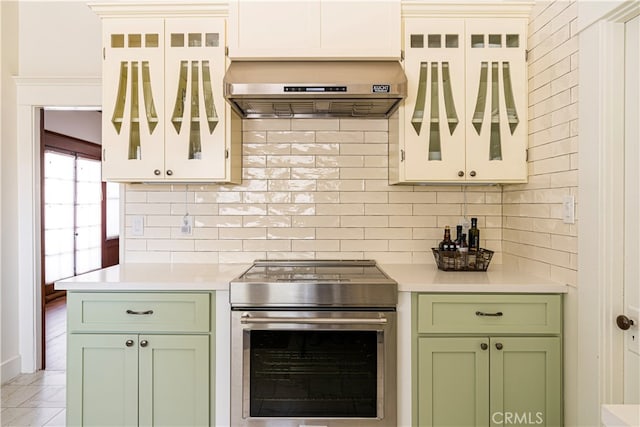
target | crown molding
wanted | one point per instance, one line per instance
(159, 8)
(475, 9)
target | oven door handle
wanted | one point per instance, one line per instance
(246, 318)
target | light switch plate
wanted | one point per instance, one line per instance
(568, 210)
(137, 225)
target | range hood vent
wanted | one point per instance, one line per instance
(315, 89)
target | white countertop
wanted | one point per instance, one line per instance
(427, 278)
(156, 277)
(621, 415)
(216, 277)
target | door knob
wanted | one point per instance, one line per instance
(129, 343)
(144, 343)
(169, 172)
(472, 173)
(460, 174)
(157, 172)
(484, 346)
(624, 322)
(499, 346)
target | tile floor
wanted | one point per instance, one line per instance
(39, 399)
(34, 400)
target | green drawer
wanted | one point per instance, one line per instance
(479, 313)
(138, 312)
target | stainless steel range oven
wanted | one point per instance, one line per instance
(313, 344)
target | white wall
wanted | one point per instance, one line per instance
(10, 353)
(59, 42)
(59, 38)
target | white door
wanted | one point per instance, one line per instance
(632, 207)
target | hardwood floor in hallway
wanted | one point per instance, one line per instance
(56, 334)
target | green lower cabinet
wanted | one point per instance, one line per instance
(489, 381)
(453, 382)
(131, 380)
(102, 380)
(174, 380)
(140, 358)
(525, 381)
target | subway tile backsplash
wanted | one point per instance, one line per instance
(311, 189)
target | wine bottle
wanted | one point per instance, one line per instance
(474, 235)
(458, 235)
(447, 244)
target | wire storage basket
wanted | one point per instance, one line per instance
(460, 261)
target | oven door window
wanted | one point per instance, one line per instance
(321, 374)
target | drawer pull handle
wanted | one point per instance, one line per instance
(482, 313)
(140, 313)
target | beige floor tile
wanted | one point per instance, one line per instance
(48, 397)
(59, 420)
(51, 378)
(18, 395)
(26, 379)
(22, 417)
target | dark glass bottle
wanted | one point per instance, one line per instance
(458, 236)
(474, 235)
(447, 244)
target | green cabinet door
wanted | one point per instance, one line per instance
(526, 381)
(174, 380)
(453, 382)
(102, 380)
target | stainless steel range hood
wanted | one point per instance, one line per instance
(315, 89)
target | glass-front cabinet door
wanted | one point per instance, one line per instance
(194, 102)
(434, 134)
(496, 100)
(133, 99)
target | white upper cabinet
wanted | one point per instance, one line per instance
(314, 29)
(465, 116)
(434, 113)
(497, 88)
(164, 115)
(133, 98)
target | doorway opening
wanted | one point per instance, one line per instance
(79, 217)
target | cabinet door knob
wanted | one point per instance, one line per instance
(460, 174)
(499, 346)
(129, 343)
(169, 172)
(157, 172)
(484, 346)
(472, 173)
(144, 343)
(624, 322)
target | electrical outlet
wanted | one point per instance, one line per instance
(137, 225)
(187, 225)
(568, 210)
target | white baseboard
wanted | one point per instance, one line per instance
(10, 369)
